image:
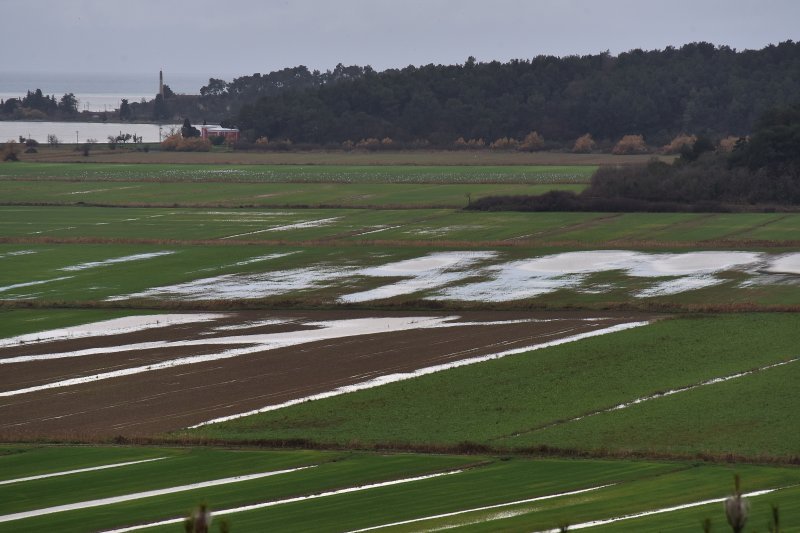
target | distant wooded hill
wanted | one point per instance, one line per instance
(698, 88)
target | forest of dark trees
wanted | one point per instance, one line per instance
(698, 88)
(36, 105)
(762, 170)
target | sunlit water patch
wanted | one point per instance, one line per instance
(114, 261)
(114, 326)
(481, 276)
(421, 273)
(542, 275)
(238, 286)
(785, 264)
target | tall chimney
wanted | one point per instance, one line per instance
(161, 83)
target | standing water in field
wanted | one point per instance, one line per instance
(451, 275)
(542, 275)
(422, 273)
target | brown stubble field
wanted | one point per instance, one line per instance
(101, 154)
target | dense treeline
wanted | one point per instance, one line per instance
(36, 105)
(219, 100)
(696, 88)
(764, 169)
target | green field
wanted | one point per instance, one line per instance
(729, 378)
(127, 193)
(533, 399)
(437, 226)
(396, 174)
(478, 493)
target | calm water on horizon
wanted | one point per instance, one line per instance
(68, 132)
(98, 92)
(95, 92)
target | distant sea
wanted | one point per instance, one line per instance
(95, 92)
(98, 92)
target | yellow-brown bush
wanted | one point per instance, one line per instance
(171, 143)
(9, 151)
(369, 144)
(727, 144)
(176, 143)
(584, 144)
(471, 144)
(532, 142)
(676, 144)
(630, 144)
(504, 143)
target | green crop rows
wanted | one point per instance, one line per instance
(469, 485)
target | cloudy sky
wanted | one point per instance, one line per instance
(225, 38)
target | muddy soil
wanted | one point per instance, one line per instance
(153, 402)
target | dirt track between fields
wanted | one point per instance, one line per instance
(152, 402)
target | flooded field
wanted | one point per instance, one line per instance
(484, 276)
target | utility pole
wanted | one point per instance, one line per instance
(76, 137)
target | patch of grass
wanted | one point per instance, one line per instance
(435, 226)
(269, 194)
(232, 173)
(335, 470)
(746, 416)
(491, 402)
(627, 487)
(689, 520)
(677, 227)
(632, 487)
(23, 460)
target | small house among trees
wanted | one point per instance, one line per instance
(209, 131)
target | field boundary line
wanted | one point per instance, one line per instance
(417, 243)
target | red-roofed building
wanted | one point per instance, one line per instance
(230, 134)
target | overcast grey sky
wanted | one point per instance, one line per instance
(223, 38)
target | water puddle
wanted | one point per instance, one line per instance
(79, 471)
(115, 326)
(299, 225)
(32, 283)
(114, 261)
(422, 273)
(238, 286)
(542, 275)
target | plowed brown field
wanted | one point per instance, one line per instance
(93, 404)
